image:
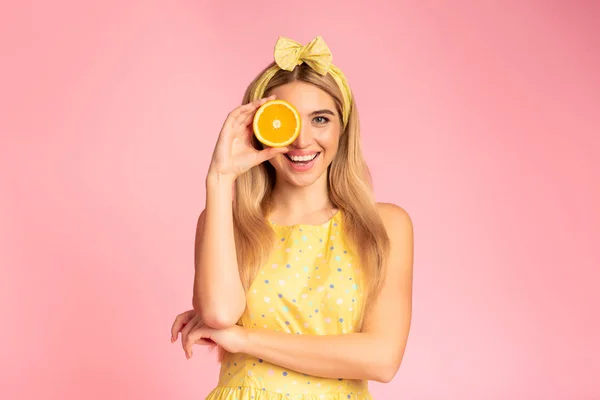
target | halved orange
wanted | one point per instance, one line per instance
(276, 123)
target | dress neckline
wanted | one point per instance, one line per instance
(332, 219)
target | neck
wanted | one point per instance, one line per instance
(294, 203)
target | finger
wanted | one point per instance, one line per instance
(246, 120)
(186, 330)
(174, 330)
(181, 320)
(270, 152)
(246, 117)
(205, 342)
(194, 326)
(242, 112)
(248, 107)
(202, 341)
(254, 105)
(194, 336)
(176, 327)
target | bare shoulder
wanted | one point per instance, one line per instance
(396, 219)
(399, 227)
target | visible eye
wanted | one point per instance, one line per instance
(321, 120)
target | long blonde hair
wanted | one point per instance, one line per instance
(349, 187)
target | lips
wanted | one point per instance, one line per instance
(302, 163)
(305, 158)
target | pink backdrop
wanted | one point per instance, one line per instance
(480, 118)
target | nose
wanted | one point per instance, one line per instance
(304, 138)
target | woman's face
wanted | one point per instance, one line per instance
(313, 151)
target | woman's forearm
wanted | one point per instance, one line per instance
(348, 356)
(219, 298)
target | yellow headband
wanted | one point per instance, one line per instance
(288, 54)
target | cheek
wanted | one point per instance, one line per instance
(330, 143)
(277, 161)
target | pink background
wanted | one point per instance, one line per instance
(480, 118)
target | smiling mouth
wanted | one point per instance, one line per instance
(302, 159)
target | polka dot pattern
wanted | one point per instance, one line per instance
(310, 285)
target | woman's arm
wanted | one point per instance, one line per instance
(375, 353)
(219, 299)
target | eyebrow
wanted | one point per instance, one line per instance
(324, 111)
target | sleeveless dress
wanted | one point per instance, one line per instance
(310, 285)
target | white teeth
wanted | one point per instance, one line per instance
(303, 158)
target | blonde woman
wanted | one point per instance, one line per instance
(302, 280)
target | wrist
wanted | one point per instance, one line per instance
(216, 179)
(246, 336)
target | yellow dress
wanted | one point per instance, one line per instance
(309, 286)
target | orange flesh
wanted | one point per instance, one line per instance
(277, 123)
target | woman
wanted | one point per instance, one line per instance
(302, 280)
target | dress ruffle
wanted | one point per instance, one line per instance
(247, 393)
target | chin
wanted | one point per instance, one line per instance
(301, 181)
